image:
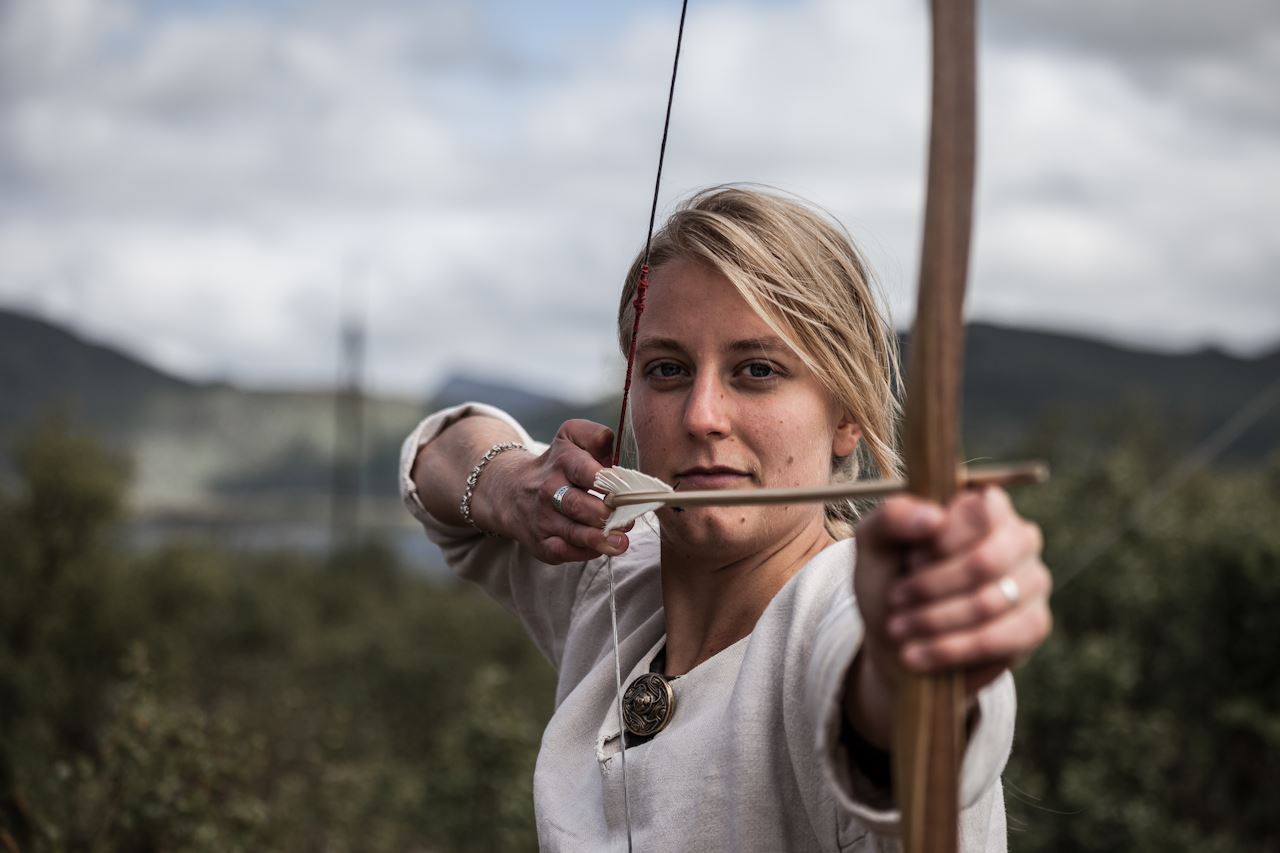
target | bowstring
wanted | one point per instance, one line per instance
(643, 284)
(638, 305)
(622, 724)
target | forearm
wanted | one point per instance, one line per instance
(868, 703)
(443, 464)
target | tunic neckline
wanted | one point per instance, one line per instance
(687, 688)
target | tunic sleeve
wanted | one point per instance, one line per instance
(540, 595)
(858, 812)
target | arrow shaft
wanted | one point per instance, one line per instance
(990, 475)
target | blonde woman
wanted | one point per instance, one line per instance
(762, 361)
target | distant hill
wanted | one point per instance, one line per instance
(43, 365)
(1017, 378)
(204, 450)
(198, 449)
(524, 406)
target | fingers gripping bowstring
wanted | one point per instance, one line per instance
(642, 287)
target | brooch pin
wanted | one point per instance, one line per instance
(648, 704)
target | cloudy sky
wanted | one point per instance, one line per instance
(207, 183)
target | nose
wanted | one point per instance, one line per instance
(707, 409)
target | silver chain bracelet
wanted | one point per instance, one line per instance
(465, 506)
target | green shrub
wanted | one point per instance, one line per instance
(199, 699)
(194, 698)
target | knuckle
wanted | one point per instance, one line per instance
(572, 503)
(571, 534)
(950, 651)
(927, 623)
(1035, 536)
(594, 508)
(897, 511)
(586, 537)
(987, 605)
(584, 470)
(1046, 579)
(912, 625)
(914, 590)
(590, 510)
(985, 564)
(1042, 623)
(998, 501)
(984, 644)
(968, 501)
(555, 549)
(971, 511)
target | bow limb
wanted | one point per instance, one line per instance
(928, 733)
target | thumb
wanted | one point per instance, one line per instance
(899, 522)
(596, 439)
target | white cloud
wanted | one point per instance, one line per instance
(197, 187)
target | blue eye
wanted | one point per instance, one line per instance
(665, 370)
(761, 370)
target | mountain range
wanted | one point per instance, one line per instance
(215, 450)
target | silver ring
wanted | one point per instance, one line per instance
(1009, 589)
(557, 500)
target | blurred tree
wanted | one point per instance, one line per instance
(1151, 718)
(53, 629)
(198, 699)
(195, 699)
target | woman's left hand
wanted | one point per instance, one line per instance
(974, 595)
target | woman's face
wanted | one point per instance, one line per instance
(720, 402)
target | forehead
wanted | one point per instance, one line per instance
(692, 303)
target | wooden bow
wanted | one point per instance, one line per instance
(928, 731)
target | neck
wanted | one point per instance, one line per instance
(711, 602)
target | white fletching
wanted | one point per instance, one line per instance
(621, 481)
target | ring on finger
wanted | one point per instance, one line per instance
(557, 500)
(1009, 589)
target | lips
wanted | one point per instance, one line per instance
(710, 477)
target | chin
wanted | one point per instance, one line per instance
(713, 528)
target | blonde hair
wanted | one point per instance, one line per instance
(800, 271)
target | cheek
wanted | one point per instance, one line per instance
(649, 427)
(797, 456)
(782, 435)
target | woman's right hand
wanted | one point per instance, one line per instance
(517, 492)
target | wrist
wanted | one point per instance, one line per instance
(869, 701)
(490, 497)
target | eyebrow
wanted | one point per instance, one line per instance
(766, 344)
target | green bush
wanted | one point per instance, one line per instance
(198, 699)
(1150, 720)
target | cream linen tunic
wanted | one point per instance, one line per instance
(752, 758)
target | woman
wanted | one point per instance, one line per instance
(762, 361)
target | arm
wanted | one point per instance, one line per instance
(948, 610)
(513, 496)
(534, 566)
(442, 465)
(974, 596)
